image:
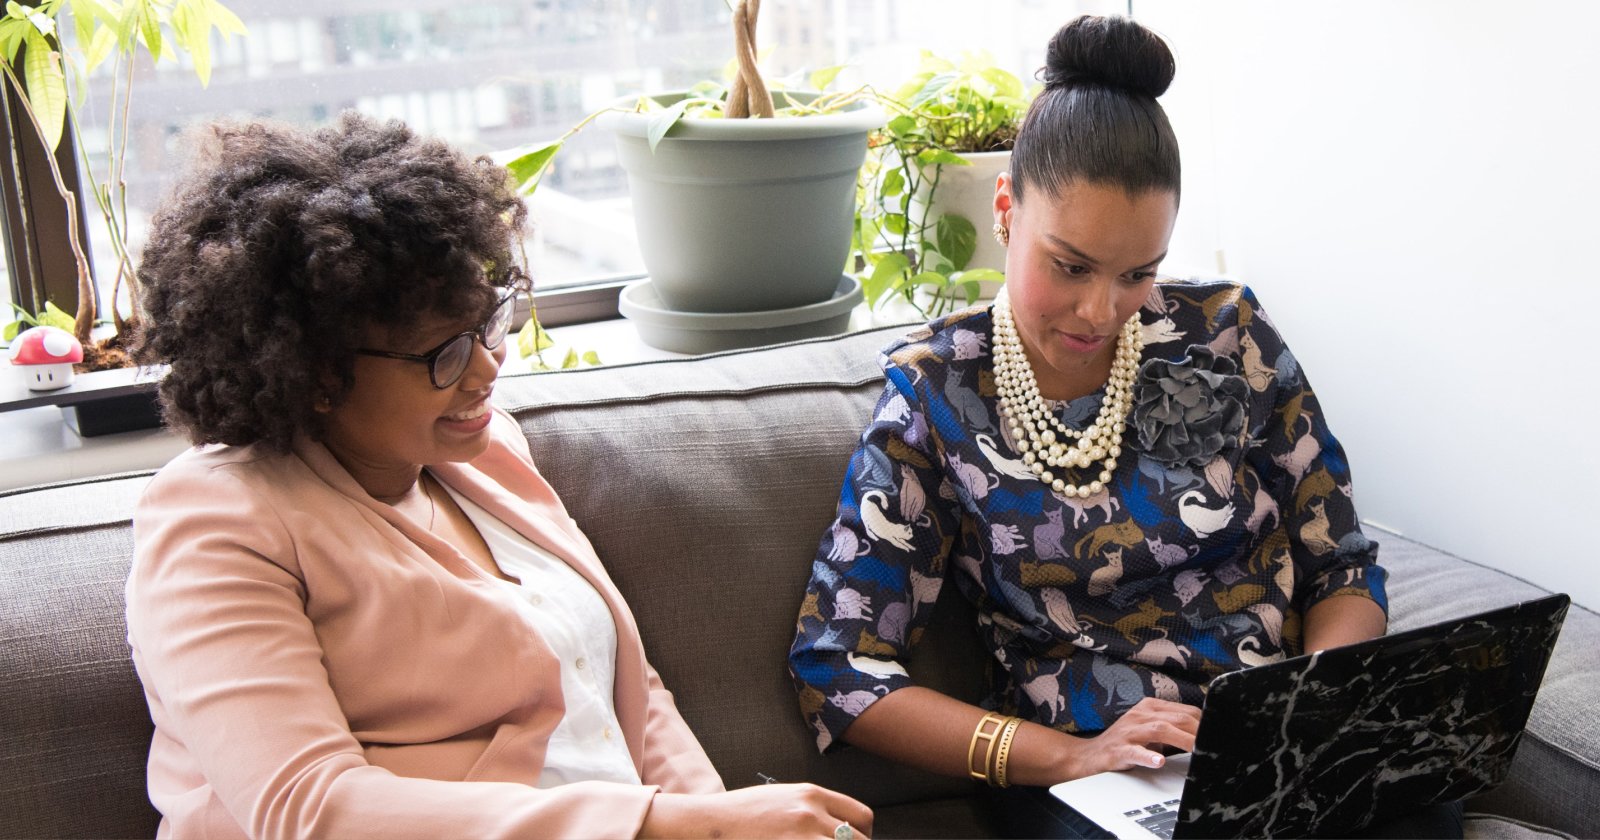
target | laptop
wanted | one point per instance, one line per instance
(1336, 740)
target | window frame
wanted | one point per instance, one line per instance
(39, 251)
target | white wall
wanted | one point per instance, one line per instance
(1412, 188)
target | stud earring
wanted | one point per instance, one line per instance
(1002, 234)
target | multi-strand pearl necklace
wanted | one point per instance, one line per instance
(1044, 441)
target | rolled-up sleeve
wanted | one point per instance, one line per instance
(1306, 470)
(878, 570)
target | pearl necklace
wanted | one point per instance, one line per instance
(1040, 436)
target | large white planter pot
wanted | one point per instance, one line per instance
(968, 191)
(744, 215)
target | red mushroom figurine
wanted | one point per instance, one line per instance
(46, 356)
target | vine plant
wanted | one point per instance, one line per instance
(105, 30)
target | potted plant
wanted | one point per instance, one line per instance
(37, 67)
(927, 187)
(743, 198)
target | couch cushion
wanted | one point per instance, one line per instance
(706, 487)
(1555, 778)
(77, 731)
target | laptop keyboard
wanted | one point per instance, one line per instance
(1158, 819)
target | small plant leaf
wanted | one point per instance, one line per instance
(47, 88)
(53, 316)
(893, 184)
(150, 27)
(820, 79)
(662, 122)
(941, 157)
(529, 164)
(989, 275)
(571, 360)
(957, 239)
(592, 358)
(886, 275)
(895, 223)
(532, 338)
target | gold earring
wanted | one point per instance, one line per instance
(1002, 234)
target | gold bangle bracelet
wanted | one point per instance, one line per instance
(1003, 755)
(989, 737)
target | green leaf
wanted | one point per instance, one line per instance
(893, 184)
(16, 10)
(928, 278)
(662, 122)
(53, 316)
(12, 329)
(940, 157)
(47, 88)
(149, 27)
(970, 289)
(957, 239)
(105, 40)
(528, 167)
(990, 275)
(194, 35)
(12, 32)
(592, 358)
(532, 338)
(895, 223)
(888, 273)
(902, 125)
(84, 14)
(571, 361)
(223, 19)
(1004, 83)
(820, 79)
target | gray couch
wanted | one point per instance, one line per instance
(705, 484)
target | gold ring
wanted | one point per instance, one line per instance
(844, 832)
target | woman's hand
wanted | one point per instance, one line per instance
(802, 810)
(1137, 738)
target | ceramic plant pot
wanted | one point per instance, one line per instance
(744, 215)
(968, 191)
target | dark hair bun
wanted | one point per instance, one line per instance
(1113, 52)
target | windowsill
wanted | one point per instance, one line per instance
(39, 448)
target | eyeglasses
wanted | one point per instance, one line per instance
(448, 361)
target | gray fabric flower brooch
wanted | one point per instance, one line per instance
(1186, 412)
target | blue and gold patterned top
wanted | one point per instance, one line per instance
(1193, 561)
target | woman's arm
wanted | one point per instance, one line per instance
(926, 729)
(1343, 620)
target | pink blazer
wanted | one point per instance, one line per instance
(319, 666)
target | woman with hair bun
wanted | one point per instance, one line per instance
(1130, 480)
(357, 609)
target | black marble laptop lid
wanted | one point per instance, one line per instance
(1327, 743)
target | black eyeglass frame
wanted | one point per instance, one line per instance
(507, 305)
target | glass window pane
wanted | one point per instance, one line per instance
(500, 74)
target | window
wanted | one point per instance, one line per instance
(498, 75)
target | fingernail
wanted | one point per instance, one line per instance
(1157, 760)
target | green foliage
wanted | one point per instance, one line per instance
(52, 316)
(105, 30)
(532, 341)
(946, 109)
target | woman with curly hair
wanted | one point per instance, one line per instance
(1132, 482)
(356, 607)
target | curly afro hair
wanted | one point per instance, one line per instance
(271, 257)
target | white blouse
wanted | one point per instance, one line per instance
(567, 612)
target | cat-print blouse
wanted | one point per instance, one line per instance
(1228, 516)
